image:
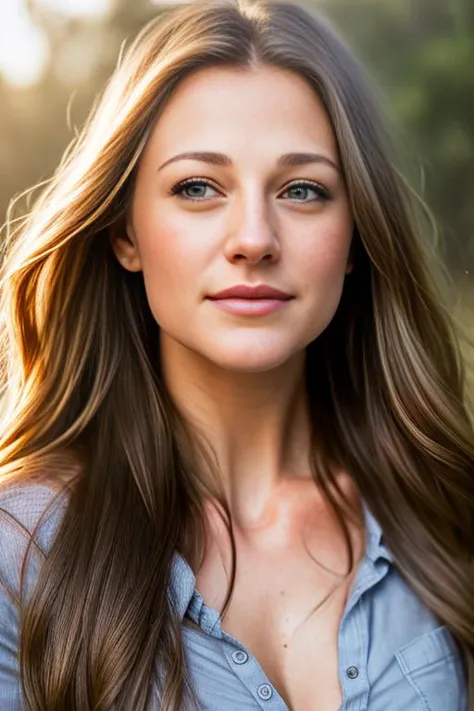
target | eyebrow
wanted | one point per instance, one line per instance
(286, 160)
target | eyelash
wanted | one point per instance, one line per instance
(177, 189)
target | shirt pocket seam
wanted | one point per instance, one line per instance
(446, 651)
(409, 677)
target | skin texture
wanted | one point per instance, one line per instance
(240, 378)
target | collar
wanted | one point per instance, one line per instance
(375, 547)
(183, 581)
(182, 584)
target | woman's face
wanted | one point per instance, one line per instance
(263, 203)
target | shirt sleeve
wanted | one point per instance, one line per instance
(10, 696)
(21, 514)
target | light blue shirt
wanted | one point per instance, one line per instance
(394, 655)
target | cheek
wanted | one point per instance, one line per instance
(322, 254)
(173, 261)
(320, 270)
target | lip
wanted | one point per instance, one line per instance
(247, 291)
(250, 307)
(248, 300)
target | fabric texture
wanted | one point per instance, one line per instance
(393, 653)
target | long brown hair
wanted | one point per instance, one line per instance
(84, 394)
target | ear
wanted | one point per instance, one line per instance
(124, 244)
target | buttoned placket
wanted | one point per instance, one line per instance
(251, 674)
(243, 664)
(353, 637)
(353, 646)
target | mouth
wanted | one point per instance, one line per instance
(248, 300)
(250, 306)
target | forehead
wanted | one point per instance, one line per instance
(233, 107)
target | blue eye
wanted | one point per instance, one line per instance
(198, 188)
(301, 189)
(195, 189)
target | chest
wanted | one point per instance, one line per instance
(287, 604)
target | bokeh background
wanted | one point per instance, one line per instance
(56, 55)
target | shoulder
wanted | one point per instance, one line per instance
(30, 514)
(412, 657)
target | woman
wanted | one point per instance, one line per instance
(228, 370)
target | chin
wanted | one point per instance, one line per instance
(236, 350)
(250, 357)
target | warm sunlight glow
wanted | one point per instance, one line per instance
(76, 8)
(24, 48)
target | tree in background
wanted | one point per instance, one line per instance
(421, 53)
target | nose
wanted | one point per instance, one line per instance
(251, 236)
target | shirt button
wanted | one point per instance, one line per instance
(240, 657)
(352, 672)
(265, 691)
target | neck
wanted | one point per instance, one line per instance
(256, 424)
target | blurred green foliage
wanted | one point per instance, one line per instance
(419, 53)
